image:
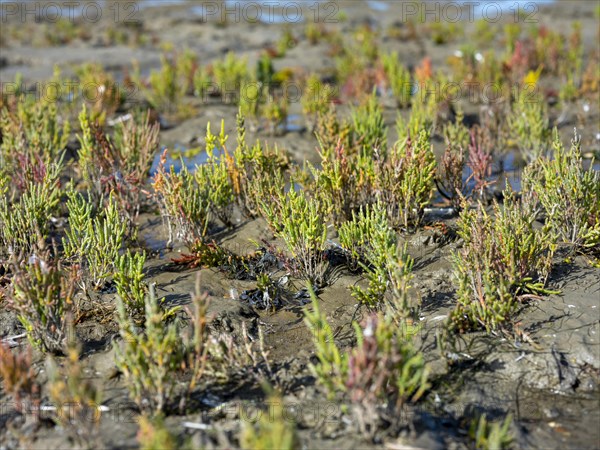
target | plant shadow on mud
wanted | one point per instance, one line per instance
(92, 346)
(438, 301)
(542, 324)
(422, 262)
(467, 356)
(565, 272)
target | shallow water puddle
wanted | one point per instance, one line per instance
(378, 5)
(181, 157)
(143, 4)
(257, 11)
(88, 8)
(294, 123)
(493, 11)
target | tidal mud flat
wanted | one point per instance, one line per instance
(171, 68)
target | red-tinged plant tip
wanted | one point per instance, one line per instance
(480, 163)
(18, 379)
(450, 176)
(518, 62)
(30, 169)
(424, 72)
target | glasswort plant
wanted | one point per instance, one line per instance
(299, 221)
(42, 295)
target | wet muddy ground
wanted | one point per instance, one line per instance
(546, 376)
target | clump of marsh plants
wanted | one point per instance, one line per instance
(129, 281)
(442, 32)
(99, 90)
(94, 238)
(136, 142)
(505, 259)
(183, 203)
(155, 351)
(153, 434)
(236, 359)
(484, 300)
(42, 295)
(332, 132)
(370, 131)
(299, 221)
(456, 134)
(272, 430)
(119, 166)
(357, 235)
(345, 178)
(252, 95)
(75, 397)
(315, 100)
(399, 79)
(256, 172)
(405, 181)
(373, 245)
(275, 111)
(229, 74)
(385, 371)
(25, 220)
(214, 177)
(314, 32)
(197, 338)
(32, 130)
(480, 164)
(422, 117)
(488, 435)
(189, 201)
(568, 195)
(528, 124)
(331, 371)
(379, 375)
(166, 88)
(401, 179)
(449, 179)
(149, 357)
